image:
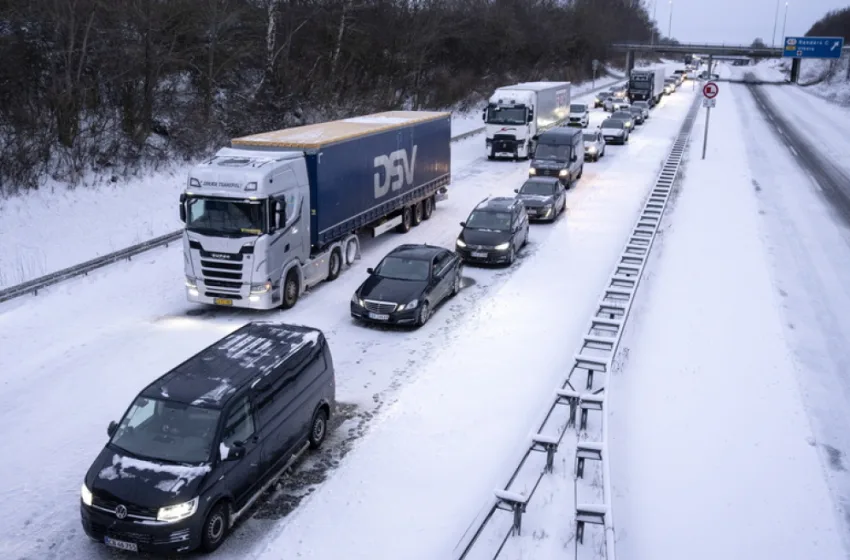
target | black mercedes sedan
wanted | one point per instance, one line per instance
(407, 285)
(494, 232)
(544, 198)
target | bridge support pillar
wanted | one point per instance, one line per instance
(795, 70)
(630, 62)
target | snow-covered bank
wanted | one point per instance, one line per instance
(53, 228)
(711, 448)
(823, 78)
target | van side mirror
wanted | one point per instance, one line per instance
(370, 270)
(235, 452)
(574, 158)
(112, 428)
(516, 191)
(183, 207)
(463, 224)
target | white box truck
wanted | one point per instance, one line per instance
(647, 84)
(516, 115)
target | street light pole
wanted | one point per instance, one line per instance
(654, 20)
(784, 21)
(670, 23)
(775, 21)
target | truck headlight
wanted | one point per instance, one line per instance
(502, 246)
(191, 283)
(460, 242)
(178, 512)
(532, 171)
(85, 494)
(261, 288)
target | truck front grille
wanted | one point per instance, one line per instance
(383, 307)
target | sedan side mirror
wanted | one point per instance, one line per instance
(516, 191)
(463, 224)
(112, 428)
(370, 270)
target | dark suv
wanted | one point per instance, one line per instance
(494, 232)
(200, 444)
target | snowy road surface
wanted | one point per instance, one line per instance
(710, 440)
(413, 485)
(74, 356)
(49, 229)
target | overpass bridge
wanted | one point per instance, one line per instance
(711, 50)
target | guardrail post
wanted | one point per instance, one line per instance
(572, 399)
(588, 513)
(587, 450)
(515, 503)
(548, 444)
(588, 403)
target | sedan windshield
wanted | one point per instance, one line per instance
(612, 123)
(622, 115)
(543, 188)
(223, 216)
(552, 152)
(506, 115)
(590, 138)
(167, 431)
(399, 268)
(494, 221)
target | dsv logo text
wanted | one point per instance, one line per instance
(394, 171)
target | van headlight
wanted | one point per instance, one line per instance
(502, 246)
(532, 171)
(178, 512)
(564, 172)
(85, 494)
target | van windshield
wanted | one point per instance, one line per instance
(168, 431)
(552, 152)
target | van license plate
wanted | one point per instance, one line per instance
(479, 255)
(379, 316)
(221, 301)
(123, 545)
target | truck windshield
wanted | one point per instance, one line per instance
(639, 84)
(167, 431)
(224, 216)
(506, 115)
(552, 152)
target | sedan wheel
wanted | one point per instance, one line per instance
(424, 314)
(457, 281)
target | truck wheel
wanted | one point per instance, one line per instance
(291, 288)
(417, 213)
(334, 265)
(406, 220)
(427, 208)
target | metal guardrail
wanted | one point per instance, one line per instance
(33, 286)
(571, 408)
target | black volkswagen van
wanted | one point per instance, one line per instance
(200, 444)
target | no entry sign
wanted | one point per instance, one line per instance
(710, 90)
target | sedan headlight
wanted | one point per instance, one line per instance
(591, 149)
(547, 207)
(564, 172)
(355, 299)
(408, 306)
(532, 171)
(85, 494)
(460, 242)
(502, 246)
(178, 512)
(628, 123)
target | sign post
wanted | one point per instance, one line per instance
(595, 68)
(709, 95)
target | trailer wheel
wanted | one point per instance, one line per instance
(291, 289)
(334, 265)
(427, 208)
(350, 251)
(417, 213)
(406, 220)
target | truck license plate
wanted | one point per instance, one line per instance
(379, 316)
(479, 255)
(222, 301)
(123, 545)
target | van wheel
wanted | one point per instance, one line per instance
(215, 528)
(318, 428)
(291, 288)
(334, 265)
(417, 213)
(427, 208)
(406, 220)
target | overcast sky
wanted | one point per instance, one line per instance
(738, 21)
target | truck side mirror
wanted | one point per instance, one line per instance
(484, 115)
(530, 116)
(279, 214)
(183, 208)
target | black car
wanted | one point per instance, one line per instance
(626, 117)
(407, 285)
(199, 445)
(637, 114)
(494, 232)
(544, 198)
